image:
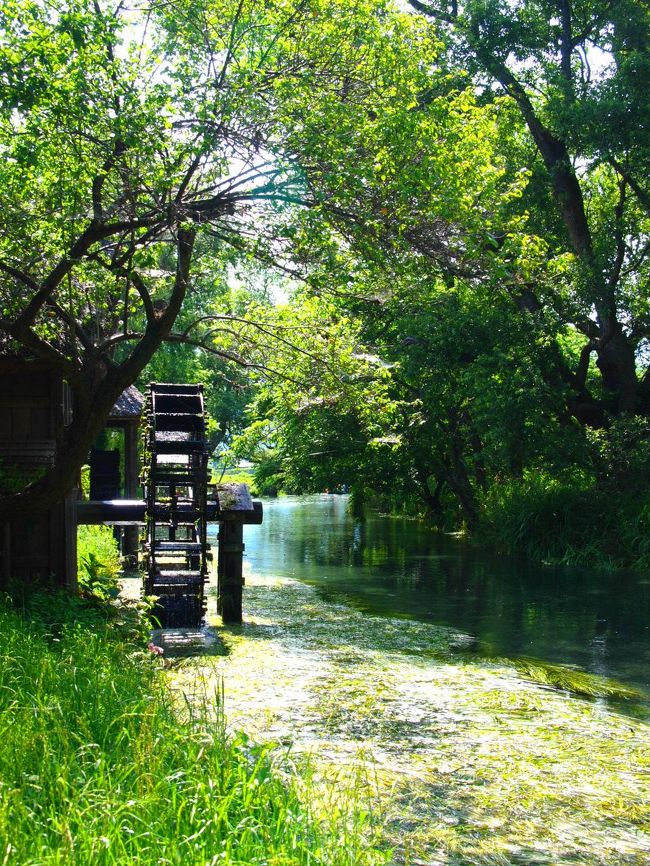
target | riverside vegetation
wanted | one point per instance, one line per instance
(99, 763)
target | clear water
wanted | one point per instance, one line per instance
(599, 622)
(354, 651)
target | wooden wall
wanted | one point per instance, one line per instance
(32, 405)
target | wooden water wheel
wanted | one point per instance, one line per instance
(176, 492)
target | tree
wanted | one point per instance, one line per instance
(574, 70)
(484, 268)
(137, 146)
(443, 218)
(414, 193)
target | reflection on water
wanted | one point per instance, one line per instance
(470, 763)
(598, 621)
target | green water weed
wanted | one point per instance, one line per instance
(571, 679)
(472, 761)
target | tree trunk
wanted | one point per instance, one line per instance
(616, 362)
(458, 477)
(615, 354)
(431, 500)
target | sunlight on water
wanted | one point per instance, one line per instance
(511, 608)
(465, 760)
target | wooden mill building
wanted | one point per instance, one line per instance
(34, 410)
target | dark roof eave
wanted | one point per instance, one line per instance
(127, 408)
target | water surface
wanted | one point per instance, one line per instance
(382, 652)
(597, 621)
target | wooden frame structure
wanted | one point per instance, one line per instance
(230, 506)
(126, 416)
(35, 408)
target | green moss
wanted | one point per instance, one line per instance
(14, 478)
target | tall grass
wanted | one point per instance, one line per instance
(570, 520)
(98, 766)
(98, 560)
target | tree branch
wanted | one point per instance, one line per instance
(438, 14)
(159, 328)
(41, 348)
(619, 236)
(566, 44)
(91, 235)
(19, 275)
(580, 377)
(639, 192)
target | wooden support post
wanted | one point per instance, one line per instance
(70, 541)
(131, 533)
(230, 571)
(5, 573)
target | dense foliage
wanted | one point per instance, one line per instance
(99, 562)
(455, 195)
(486, 254)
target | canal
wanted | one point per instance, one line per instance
(508, 608)
(486, 711)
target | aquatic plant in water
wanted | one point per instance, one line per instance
(465, 761)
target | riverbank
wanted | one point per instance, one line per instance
(466, 761)
(571, 520)
(98, 765)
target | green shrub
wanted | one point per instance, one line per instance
(98, 561)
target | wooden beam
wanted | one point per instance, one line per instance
(70, 541)
(230, 579)
(131, 512)
(131, 490)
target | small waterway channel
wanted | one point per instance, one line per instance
(393, 657)
(396, 567)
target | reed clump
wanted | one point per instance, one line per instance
(97, 764)
(568, 521)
